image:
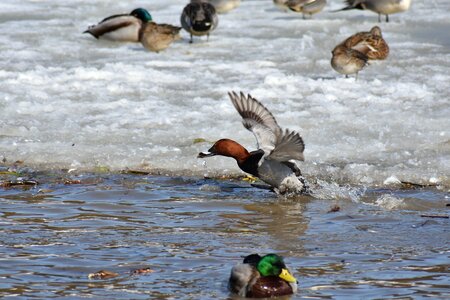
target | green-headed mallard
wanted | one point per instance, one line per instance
(157, 37)
(199, 18)
(262, 277)
(122, 28)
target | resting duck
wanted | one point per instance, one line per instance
(199, 18)
(306, 7)
(224, 6)
(273, 162)
(121, 28)
(348, 61)
(157, 37)
(350, 56)
(385, 7)
(370, 43)
(262, 277)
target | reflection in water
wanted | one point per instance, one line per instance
(191, 232)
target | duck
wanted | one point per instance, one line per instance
(381, 7)
(306, 7)
(348, 61)
(371, 43)
(224, 6)
(353, 54)
(157, 37)
(262, 277)
(274, 160)
(199, 18)
(121, 28)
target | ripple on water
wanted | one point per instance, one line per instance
(191, 231)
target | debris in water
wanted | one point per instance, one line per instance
(72, 181)
(141, 271)
(135, 172)
(102, 274)
(435, 216)
(199, 140)
(334, 208)
(18, 182)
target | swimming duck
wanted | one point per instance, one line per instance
(122, 28)
(157, 37)
(385, 7)
(306, 7)
(199, 18)
(262, 277)
(350, 56)
(224, 6)
(273, 162)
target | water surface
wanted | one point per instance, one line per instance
(191, 231)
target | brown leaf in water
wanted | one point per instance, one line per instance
(103, 274)
(334, 208)
(72, 181)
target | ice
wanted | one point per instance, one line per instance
(70, 101)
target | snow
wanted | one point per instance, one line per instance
(70, 101)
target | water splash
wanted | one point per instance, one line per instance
(333, 191)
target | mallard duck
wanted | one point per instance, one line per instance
(262, 277)
(306, 7)
(122, 28)
(157, 37)
(385, 7)
(352, 55)
(224, 6)
(199, 18)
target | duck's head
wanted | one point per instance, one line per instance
(226, 147)
(376, 31)
(273, 265)
(142, 14)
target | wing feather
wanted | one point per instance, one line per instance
(288, 145)
(256, 118)
(277, 144)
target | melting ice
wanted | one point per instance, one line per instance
(70, 101)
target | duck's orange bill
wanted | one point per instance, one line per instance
(285, 275)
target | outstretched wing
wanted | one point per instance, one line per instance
(288, 145)
(258, 119)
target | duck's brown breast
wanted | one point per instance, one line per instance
(270, 286)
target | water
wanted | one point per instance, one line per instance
(191, 231)
(77, 110)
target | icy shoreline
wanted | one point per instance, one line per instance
(68, 101)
